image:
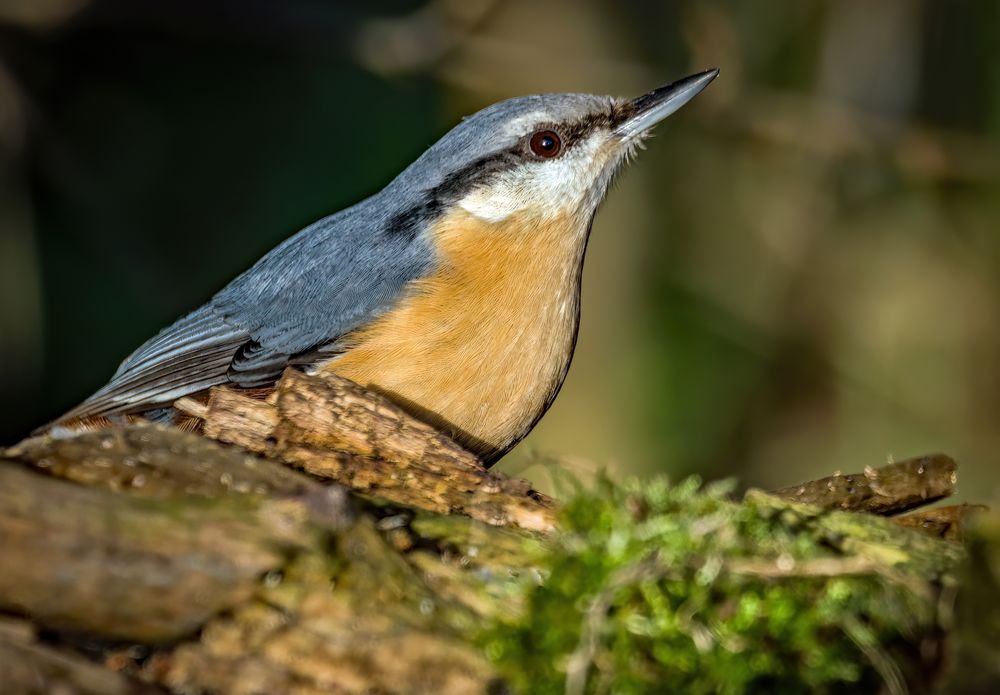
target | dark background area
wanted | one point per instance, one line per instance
(801, 274)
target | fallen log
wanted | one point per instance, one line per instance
(321, 540)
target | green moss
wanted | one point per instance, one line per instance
(658, 588)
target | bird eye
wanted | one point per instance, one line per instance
(545, 143)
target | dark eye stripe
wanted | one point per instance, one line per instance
(433, 202)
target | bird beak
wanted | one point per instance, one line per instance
(650, 109)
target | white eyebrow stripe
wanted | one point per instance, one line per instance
(517, 126)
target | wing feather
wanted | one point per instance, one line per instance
(190, 356)
(200, 328)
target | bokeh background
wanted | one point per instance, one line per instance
(800, 275)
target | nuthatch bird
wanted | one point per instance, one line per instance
(454, 291)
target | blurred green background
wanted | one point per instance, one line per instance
(801, 274)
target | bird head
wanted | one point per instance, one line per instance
(542, 156)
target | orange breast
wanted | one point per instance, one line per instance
(481, 346)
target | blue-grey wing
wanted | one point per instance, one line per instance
(319, 285)
(189, 356)
(299, 299)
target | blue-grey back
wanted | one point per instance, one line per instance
(325, 280)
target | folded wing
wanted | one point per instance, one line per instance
(189, 356)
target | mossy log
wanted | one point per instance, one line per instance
(328, 542)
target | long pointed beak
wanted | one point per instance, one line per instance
(652, 108)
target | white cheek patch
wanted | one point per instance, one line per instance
(490, 203)
(570, 183)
